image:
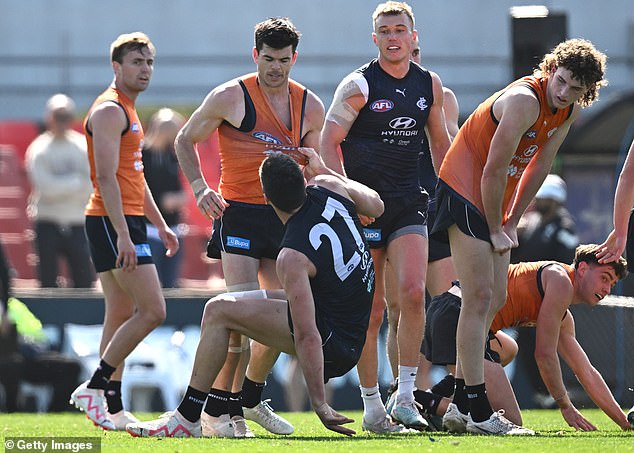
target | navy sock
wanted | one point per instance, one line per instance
(192, 404)
(428, 400)
(113, 397)
(101, 376)
(217, 402)
(252, 392)
(445, 386)
(235, 404)
(479, 406)
(460, 396)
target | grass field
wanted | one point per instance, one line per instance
(553, 436)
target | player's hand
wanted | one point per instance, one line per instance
(333, 420)
(574, 418)
(365, 220)
(501, 243)
(612, 248)
(170, 241)
(511, 231)
(314, 165)
(211, 204)
(126, 258)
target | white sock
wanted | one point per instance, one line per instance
(406, 380)
(373, 409)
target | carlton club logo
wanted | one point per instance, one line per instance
(382, 105)
(402, 122)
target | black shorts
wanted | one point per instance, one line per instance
(437, 250)
(102, 239)
(441, 324)
(246, 229)
(340, 354)
(452, 208)
(629, 247)
(402, 215)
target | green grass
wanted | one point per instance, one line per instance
(553, 436)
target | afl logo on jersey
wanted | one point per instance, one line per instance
(266, 137)
(382, 105)
(135, 128)
(403, 122)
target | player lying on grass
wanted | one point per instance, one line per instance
(322, 313)
(539, 295)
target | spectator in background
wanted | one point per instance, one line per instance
(161, 169)
(545, 232)
(58, 169)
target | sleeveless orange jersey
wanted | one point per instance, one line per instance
(130, 172)
(464, 163)
(243, 149)
(523, 295)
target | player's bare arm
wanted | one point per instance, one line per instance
(614, 245)
(346, 105)
(591, 380)
(107, 122)
(436, 126)
(224, 103)
(452, 111)
(516, 110)
(294, 270)
(313, 121)
(168, 237)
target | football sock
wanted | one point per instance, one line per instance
(235, 404)
(406, 379)
(445, 386)
(192, 404)
(101, 376)
(217, 402)
(460, 396)
(113, 397)
(252, 393)
(373, 409)
(428, 400)
(479, 406)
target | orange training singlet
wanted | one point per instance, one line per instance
(523, 297)
(464, 163)
(130, 172)
(243, 149)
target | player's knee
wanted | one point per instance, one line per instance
(215, 309)
(155, 316)
(413, 295)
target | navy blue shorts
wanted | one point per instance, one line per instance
(441, 325)
(246, 229)
(451, 208)
(102, 239)
(340, 354)
(437, 250)
(402, 215)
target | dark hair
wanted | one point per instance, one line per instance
(129, 42)
(283, 182)
(276, 32)
(583, 60)
(587, 254)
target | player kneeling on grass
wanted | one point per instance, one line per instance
(539, 295)
(322, 313)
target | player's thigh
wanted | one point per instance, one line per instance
(440, 274)
(474, 263)
(143, 285)
(118, 302)
(240, 270)
(268, 274)
(407, 255)
(263, 320)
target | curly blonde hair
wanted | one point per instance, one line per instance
(585, 62)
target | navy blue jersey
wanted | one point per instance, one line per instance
(382, 146)
(426, 174)
(327, 230)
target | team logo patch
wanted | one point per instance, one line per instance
(266, 137)
(530, 151)
(382, 105)
(240, 243)
(143, 250)
(422, 104)
(531, 134)
(135, 128)
(372, 234)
